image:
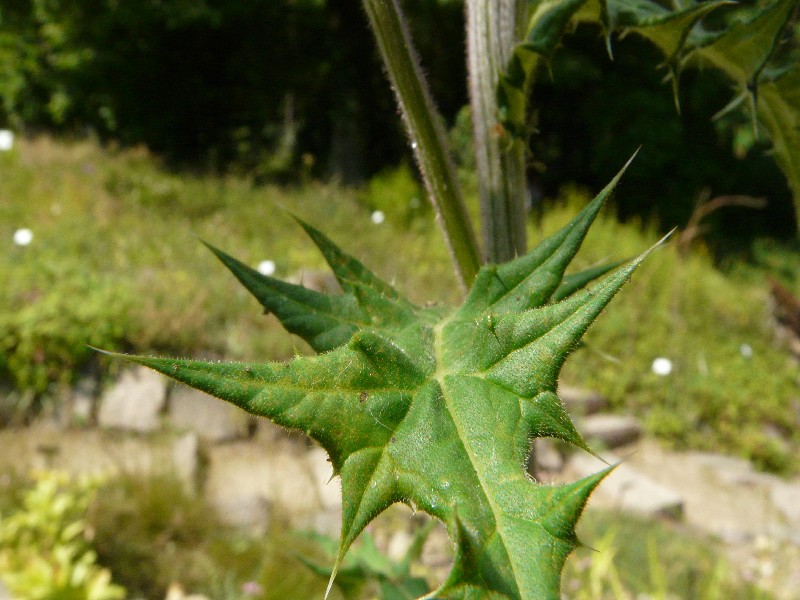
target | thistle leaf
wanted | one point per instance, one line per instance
(324, 321)
(667, 29)
(742, 50)
(543, 33)
(577, 281)
(438, 410)
(779, 111)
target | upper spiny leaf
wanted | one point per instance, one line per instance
(531, 280)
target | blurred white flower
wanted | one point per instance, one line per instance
(252, 588)
(6, 140)
(746, 350)
(662, 366)
(378, 217)
(23, 237)
(266, 267)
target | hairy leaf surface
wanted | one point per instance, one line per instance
(435, 409)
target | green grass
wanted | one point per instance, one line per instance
(116, 262)
(149, 533)
(632, 558)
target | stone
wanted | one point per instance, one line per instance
(628, 489)
(548, 458)
(82, 402)
(319, 281)
(328, 488)
(580, 401)
(176, 592)
(786, 498)
(135, 402)
(399, 545)
(611, 431)
(212, 419)
(186, 459)
(249, 482)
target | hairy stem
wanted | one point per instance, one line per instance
(493, 27)
(427, 135)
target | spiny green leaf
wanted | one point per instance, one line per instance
(532, 279)
(324, 321)
(577, 281)
(742, 50)
(349, 272)
(779, 111)
(667, 29)
(438, 410)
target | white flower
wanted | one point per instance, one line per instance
(746, 350)
(23, 237)
(266, 267)
(662, 366)
(6, 140)
(378, 217)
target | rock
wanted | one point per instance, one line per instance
(81, 402)
(248, 482)
(786, 498)
(319, 281)
(328, 488)
(581, 401)
(186, 459)
(212, 419)
(135, 402)
(628, 489)
(611, 431)
(399, 544)
(547, 457)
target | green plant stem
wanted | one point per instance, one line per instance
(493, 27)
(427, 135)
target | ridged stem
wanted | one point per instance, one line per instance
(426, 133)
(493, 27)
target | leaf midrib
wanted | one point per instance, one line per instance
(440, 375)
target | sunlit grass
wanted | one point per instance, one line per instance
(115, 261)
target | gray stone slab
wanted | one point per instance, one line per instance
(135, 402)
(212, 419)
(580, 401)
(629, 490)
(786, 498)
(329, 488)
(611, 431)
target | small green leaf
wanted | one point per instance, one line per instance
(742, 50)
(543, 33)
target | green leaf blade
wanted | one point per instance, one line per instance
(531, 280)
(324, 321)
(438, 409)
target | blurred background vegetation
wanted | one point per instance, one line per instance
(203, 118)
(143, 125)
(279, 89)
